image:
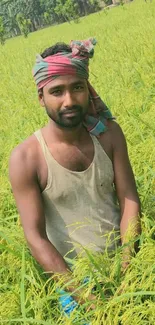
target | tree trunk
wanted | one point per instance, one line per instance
(33, 25)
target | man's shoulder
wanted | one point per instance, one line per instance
(25, 151)
(113, 126)
(112, 138)
(114, 131)
(117, 137)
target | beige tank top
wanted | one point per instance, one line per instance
(80, 207)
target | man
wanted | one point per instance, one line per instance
(63, 175)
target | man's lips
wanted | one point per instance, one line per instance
(71, 112)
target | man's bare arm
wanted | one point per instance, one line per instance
(125, 187)
(23, 178)
(24, 181)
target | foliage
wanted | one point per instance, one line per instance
(41, 13)
(95, 4)
(125, 299)
(122, 71)
(24, 24)
(66, 9)
(2, 31)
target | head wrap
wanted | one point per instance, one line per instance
(75, 63)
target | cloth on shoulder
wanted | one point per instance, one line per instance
(75, 62)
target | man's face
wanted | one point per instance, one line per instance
(66, 100)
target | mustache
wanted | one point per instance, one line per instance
(71, 109)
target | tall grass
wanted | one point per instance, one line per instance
(122, 71)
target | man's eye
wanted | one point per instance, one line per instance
(79, 87)
(57, 92)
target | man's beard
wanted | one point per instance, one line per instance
(68, 122)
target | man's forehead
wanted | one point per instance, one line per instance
(65, 80)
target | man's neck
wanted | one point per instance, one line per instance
(69, 136)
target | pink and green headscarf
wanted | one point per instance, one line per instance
(75, 63)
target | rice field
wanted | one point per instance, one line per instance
(123, 72)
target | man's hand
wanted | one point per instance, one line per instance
(126, 258)
(77, 293)
(81, 301)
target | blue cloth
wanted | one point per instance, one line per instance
(67, 303)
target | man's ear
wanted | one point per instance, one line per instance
(41, 97)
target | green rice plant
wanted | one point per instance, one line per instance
(119, 297)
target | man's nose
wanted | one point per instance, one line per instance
(68, 99)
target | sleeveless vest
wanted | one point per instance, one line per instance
(80, 207)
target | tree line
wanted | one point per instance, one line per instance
(24, 16)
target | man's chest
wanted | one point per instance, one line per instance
(71, 157)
